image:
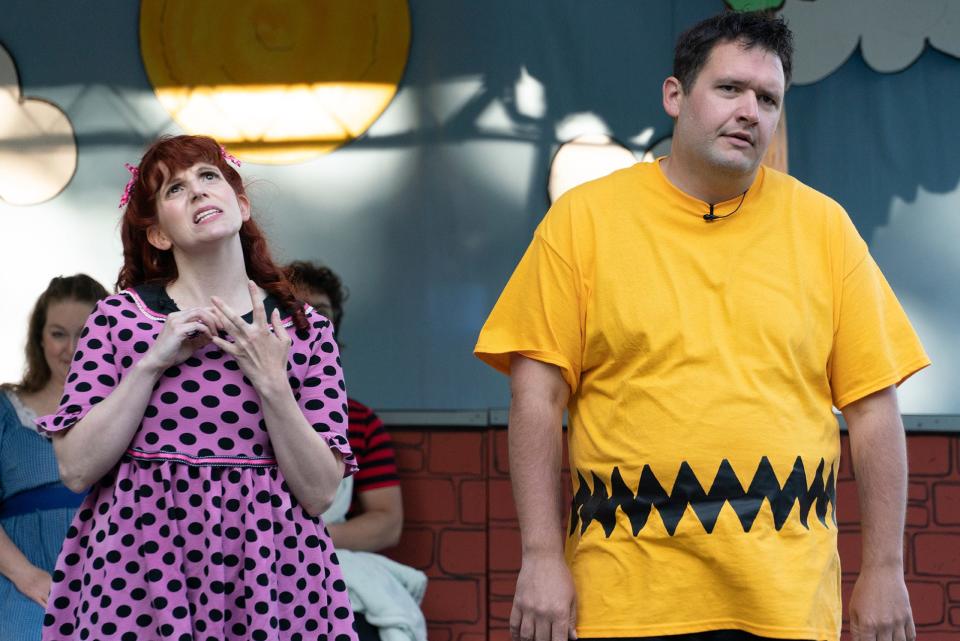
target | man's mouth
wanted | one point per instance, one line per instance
(203, 214)
(740, 135)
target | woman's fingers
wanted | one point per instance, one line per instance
(186, 321)
(278, 329)
(208, 317)
(259, 313)
(194, 329)
(233, 323)
(226, 346)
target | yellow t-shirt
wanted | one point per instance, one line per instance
(703, 360)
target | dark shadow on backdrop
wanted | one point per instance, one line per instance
(864, 137)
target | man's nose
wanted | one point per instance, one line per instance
(749, 108)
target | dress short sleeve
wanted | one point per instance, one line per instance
(93, 372)
(323, 395)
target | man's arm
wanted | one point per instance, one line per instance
(880, 605)
(377, 527)
(544, 605)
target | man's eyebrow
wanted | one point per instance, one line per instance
(740, 82)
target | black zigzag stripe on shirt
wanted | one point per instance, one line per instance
(601, 504)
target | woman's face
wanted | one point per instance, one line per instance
(65, 319)
(196, 207)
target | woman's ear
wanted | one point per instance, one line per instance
(244, 207)
(158, 239)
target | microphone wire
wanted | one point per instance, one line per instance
(712, 216)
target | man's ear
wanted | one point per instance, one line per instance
(158, 239)
(244, 207)
(672, 96)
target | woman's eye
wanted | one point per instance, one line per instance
(210, 174)
(173, 189)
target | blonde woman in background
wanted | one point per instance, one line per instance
(35, 507)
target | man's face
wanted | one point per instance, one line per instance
(727, 118)
(319, 301)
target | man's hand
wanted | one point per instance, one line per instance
(545, 604)
(880, 607)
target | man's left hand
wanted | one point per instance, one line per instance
(880, 607)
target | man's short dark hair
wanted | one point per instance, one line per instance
(761, 29)
(303, 275)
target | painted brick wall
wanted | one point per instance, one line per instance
(461, 529)
(444, 476)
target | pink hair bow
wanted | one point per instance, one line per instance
(128, 190)
(228, 156)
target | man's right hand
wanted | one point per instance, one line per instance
(545, 603)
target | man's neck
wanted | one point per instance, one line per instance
(707, 183)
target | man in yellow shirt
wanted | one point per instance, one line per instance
(699, 317)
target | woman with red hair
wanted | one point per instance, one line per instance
(206, 408)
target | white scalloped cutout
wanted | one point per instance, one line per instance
(891, 33)
(38, 151)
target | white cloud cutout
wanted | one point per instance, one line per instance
(917, 251)
(891, 33)
(584, 158)
(589, 152)
(38, 151)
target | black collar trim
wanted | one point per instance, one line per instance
(153, 302)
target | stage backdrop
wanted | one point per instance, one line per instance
(408, 146)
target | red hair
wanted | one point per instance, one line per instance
(143, 263)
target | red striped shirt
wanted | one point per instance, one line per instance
(373, 448)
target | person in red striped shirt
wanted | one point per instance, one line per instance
(375, 519)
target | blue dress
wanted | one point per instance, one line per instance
(26, 463)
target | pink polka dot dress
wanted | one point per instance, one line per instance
(194, 535)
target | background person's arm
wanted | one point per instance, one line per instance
(880, 605)
(544, 605)
(377, 527)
